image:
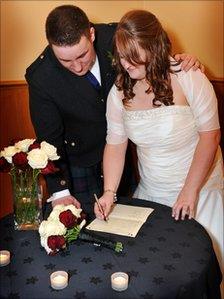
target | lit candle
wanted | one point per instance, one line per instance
(119, 281)
(59, 280)
(4, 258)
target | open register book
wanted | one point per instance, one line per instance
(124, 220)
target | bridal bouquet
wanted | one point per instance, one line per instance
(64, 225)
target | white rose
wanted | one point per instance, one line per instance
(43, 242)
(59, 207)
(50, 150)
(23, 145)
(52, 227)
(42, 228)
(74, 210)
(9, 152)
(37, 158)
(2, 153)
(54, 215)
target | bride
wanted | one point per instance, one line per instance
(171, 115)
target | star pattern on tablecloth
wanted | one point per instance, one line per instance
(49, 266)
(72, 272)
(28, 260)
(80, 295)
(153, 249)
(143, 260)
(107, 266)
(193, 274)
(98, 248)
(32, 280)
(132, 273)
(95, 279)
(146, 295)
(184, 244)
(169, 267)
(141, 234)
(65, 253)
(13, 296)
(11, 273)
(176, 255)
(158, 280)
(87, 260)
(25, 243)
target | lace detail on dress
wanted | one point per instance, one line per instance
(154, 113)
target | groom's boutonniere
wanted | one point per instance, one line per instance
(111, 58)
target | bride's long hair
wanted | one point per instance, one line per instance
(142, 28)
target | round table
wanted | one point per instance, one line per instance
(167, 259)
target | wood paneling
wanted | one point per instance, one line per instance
(15, 124)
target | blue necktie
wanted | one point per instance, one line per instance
(92, 79)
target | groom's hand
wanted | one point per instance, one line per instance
(189, 61)
(66, 200)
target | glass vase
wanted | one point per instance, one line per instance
(27, 199)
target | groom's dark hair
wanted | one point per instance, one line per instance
(66, 24)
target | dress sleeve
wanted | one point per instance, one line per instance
(202, 100)
(116, 133)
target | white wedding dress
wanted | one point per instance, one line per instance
(166, 138)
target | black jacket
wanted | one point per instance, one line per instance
(67, 111)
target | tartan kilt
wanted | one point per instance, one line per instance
(85, 182)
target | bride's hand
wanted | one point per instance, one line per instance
(185, 205)
(106, 203)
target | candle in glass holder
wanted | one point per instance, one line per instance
(4, 258)
(119, 281)
(59, 280)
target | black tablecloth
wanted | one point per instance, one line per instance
(167, 259)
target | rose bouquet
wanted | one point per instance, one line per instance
(64, 225)
(24, 161)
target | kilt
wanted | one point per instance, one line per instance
(86, 181)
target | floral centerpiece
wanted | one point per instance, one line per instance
(64, 225)
(24, 161)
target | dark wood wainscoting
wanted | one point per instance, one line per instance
(15, 124)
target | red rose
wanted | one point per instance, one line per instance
(50, 168)
(5, 166)
(56, 242)
(20, 160)
(68, 219)
(33, 146)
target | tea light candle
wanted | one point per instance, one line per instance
(119, 281)
(59, 280)
(4, 258)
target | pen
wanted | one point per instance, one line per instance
(100, 207)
